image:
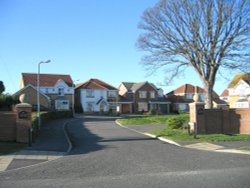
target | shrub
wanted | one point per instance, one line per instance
(176, 122)
(7, 101)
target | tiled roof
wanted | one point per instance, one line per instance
(237, 77)
(187, 88)
(46, 80)
(95, 84)
(133, 87)
(225, 93)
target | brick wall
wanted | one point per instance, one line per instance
(7, 126)
(227, 121)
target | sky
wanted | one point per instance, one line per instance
(83, 38)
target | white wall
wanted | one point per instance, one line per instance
(98, 94)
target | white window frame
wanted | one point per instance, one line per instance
(189, 96)
(152, 94)
(142, 94)
(90, 93)
(61, 91)
(111, 93)
(142, 106)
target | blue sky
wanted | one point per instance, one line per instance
(83, 38)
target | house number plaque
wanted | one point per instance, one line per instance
(23, 115)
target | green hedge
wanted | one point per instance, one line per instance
(48, 116)
(176, 122)
(7, 101)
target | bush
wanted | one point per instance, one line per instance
(7, 101)
(176, 122)
(48, 116)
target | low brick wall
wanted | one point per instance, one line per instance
(7, 126)
(227, 121)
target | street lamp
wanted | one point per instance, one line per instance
(38, 93)
(73, 97)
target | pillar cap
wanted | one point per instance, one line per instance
(23, 105)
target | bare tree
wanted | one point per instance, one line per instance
(208, 35)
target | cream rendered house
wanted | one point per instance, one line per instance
(237, 95)
(56, 90)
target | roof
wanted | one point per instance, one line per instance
(133, 87)
(225, 93)
(238, 77)
(187, 88)
(94, 83)
(45, 79)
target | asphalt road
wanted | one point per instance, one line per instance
(106, 155)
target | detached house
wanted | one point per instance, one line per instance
(96, 96)
(237, 94)
(183, 96)
(141, 97)
(56, 90)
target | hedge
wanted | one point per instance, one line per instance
(45, 117)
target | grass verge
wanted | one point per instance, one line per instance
(10, 147)
(144, 120)
(245, 148)
(182, 135)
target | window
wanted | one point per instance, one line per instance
(189, 96)
(112, 107)
(202, 97)
(62, 104)
(90, 107)
(46, 90)
(142, 106)
(152, 94)
(111, 93)
(142, 94)
(90, 93)
(61, 91)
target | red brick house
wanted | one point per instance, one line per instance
(183, 96)
(141, 97)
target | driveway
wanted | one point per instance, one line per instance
(106, 155)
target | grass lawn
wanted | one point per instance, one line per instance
(245, 148)
(160, 119)
(10, 147)
(182, 135)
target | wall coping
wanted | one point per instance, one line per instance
(23, 105)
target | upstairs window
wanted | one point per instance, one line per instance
(189, 96)
(142, 94)
(61, 91)
(152, 94)
(111, 93)
(90, 93)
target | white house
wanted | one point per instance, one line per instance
(96, 96)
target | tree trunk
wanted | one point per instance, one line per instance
(208, 95)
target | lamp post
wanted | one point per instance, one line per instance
(73, 97)
(38, 93)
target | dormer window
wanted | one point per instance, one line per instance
(61, 91)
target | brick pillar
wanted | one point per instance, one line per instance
(197, 117)
(23, 122)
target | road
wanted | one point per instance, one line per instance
(106, 155)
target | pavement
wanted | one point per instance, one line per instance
(51, 143)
